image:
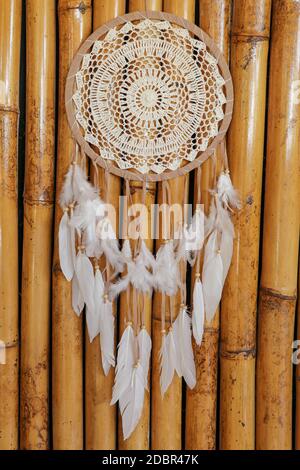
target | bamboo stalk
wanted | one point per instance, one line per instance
(201, 402)
(38, 218)
(10, 35)
(100, 420)
(139, 440)
(297, 423)
(167, 412)
(67, 390)
(249, 56)
(280, 236)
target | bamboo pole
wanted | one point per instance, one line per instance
(100, 419)
(10, 35)
(249, 56)
(38, 218)
(139, 440)
(166, 412)
(67, 389)
(280, 236)
(201, 402)
(297, 423)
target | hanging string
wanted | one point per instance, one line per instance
(107, 267)
(135, 309)
(224, 155)
(129, 316)
(163, 313)
(198, 202)
(166, 200)
(198, 182)
(214, 163)
(95, 175)
(172, 309)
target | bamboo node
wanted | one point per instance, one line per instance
(82, 8)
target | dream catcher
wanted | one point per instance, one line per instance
(148, 97)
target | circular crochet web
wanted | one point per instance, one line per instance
(149, 96)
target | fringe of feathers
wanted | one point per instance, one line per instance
(85, 232)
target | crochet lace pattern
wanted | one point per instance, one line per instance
(148, 95)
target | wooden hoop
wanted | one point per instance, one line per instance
(75, 67)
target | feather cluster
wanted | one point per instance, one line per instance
(85, 219)
(219, 234)
(131, 378)
(176, 354)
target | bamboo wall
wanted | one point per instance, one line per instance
(53, 393)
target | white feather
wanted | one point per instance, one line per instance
(226, 192)
(77, 299)
(116, 288)
(223, 221)
(212, 277)
(181, 247)
(226, 229)
(109, 244)
(67, 196)
(93, 316)
(85, 219)
(131, 404)
(139, 276)
(92, 323)
(166, 275)
(107, 342)
(84, 215)
(168, 361)
(145, 345)
(125, 362)
(226, 248)
(198, 312)
(183, 340)
(147, 256)
(66, 239)
(83, 189)
(126, 250)
(85, 275)
(99, 286)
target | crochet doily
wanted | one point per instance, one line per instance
(148, 96)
